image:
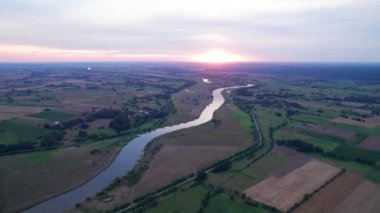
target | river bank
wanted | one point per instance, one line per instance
(125, 161)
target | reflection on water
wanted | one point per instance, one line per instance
(125, 160)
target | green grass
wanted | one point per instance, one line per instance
(126, 136)
(104, 132)
(351, 153)
(267, 118)
(360, 137)
(190, 200)
(263, 167)
(325, 145)
(222, 203)
(323, 136)
(52, 115)
(180, 201)
(152, 124)
(327, 113)
(252, 174)
(235, 166)
(34, 158)
(358, 129)
(13, 130)
(8, 138)
(362, 170)
(244, 119)
(111, 143)
(373, 176)
(309, 118)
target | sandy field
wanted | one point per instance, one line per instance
(348, 193)
(283, 192)
(365, 198)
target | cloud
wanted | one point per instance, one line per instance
(277, 30)
(27, 53)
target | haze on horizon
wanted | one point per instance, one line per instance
(176, 30)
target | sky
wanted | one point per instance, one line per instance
(196, 30)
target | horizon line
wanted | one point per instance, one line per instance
(194, 62)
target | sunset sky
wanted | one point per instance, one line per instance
(196, 30)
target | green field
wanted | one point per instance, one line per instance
(189, 201)
(325, 145)
(252, 174)
(180, 201)
(14, 130)
(366, 171)
(52, 115)
(106, 132)
(244, 120)
(223, 203)
(35, 158)
(308, 118)
(317, 105)
(145, 98)
(358, 129)
(111, 143)
(267, 118)
(323, 136)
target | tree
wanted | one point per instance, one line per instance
(121, 122)
(222, 166)
(201, 175)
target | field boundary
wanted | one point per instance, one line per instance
(308, 196)
(180, 182)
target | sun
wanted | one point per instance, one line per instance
(218, 56)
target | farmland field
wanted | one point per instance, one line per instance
(253, 174)
(228, 204)
(181, 201)
(190, 199)
(71, 122)
(10, 131)
(326, 145)
(52, 115)
(167, 169)
(17, 111)
(332, 132)
(29, 178)
(347, 193)
(190, 102)
(283, 192)
(59, 119)
(179, 154)
(189, 106)
(371, 143)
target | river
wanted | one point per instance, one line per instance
(125, 160)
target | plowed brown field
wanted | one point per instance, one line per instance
(283, 192)
(347, 193)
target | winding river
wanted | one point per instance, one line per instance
(125, 160)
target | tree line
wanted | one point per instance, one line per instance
(343, 152)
